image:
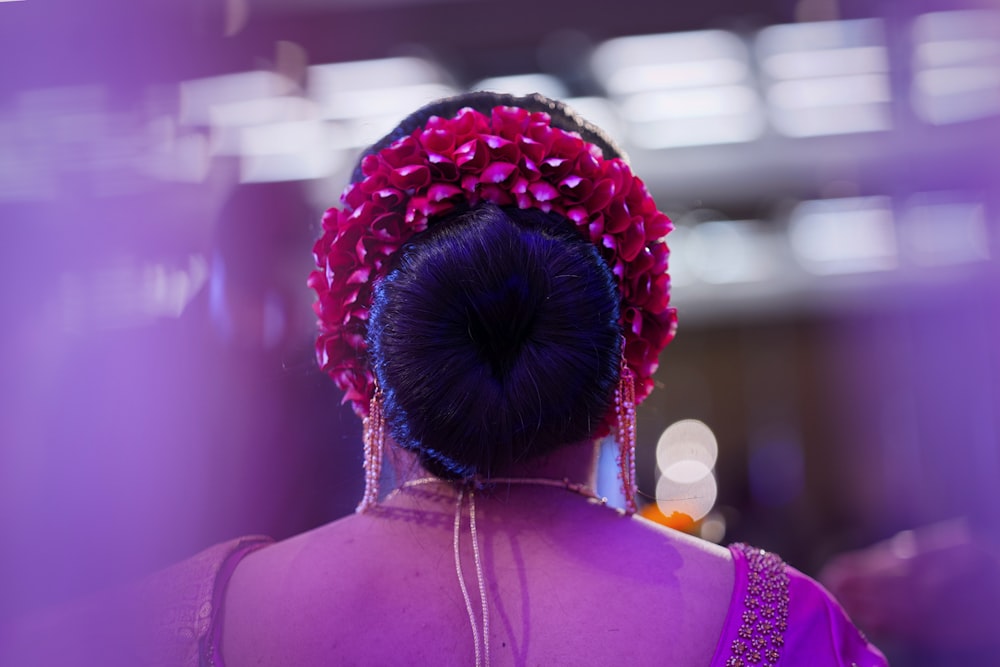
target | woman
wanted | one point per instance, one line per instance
(492, 297)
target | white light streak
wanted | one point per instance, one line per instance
(850, 235)
(662, 76)
(837, 91)
(956, 65)
(330, 79)
(398, 101)
(524, 84)
(827, 78)
(699, 116)
(730, 251)
(287, 151)
(199, 96)
(681, 89)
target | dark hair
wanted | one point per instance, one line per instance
(495, 339)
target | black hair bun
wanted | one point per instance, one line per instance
(495, 339)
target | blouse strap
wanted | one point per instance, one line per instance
(210, 639)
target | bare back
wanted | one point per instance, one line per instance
(568, 582)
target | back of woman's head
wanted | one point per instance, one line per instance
(495, 340)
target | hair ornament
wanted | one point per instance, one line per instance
(510, 157)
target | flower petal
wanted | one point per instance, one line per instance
(443, 191)
(542, 191)
(410, 177)
(497, 172)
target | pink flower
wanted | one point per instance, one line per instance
(511, 157)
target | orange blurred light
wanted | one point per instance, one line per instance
(676, 520)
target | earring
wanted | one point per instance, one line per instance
(374, 439)
(625, 432)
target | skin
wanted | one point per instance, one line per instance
(568, 581)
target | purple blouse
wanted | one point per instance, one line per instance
(780, 617)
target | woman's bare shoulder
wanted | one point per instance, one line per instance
(313, 555)
(699, 566)
(667, 551)
(354, 567)
(274, 590)
(316, 593)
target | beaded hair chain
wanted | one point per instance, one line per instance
(625, 434)
(374, 439)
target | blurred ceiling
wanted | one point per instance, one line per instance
(120, 60)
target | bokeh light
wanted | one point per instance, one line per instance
(685, 456)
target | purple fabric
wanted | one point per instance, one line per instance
(817, 632)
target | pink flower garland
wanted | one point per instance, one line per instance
(511, 158)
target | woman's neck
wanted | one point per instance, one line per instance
(576, 463)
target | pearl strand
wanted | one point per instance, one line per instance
(374, 441)
(461, 580)
(481, 637)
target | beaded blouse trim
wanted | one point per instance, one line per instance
(764, 616)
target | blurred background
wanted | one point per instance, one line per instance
(831, 168)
